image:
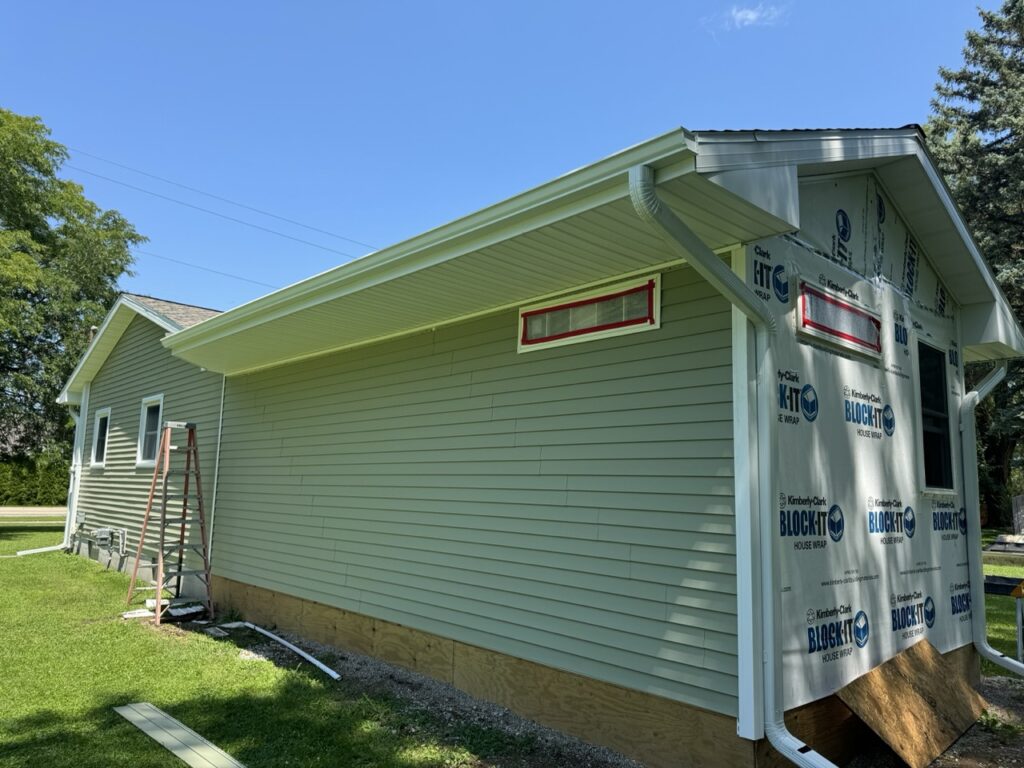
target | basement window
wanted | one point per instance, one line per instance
(938, 463)
(609, 311)
(100, 430)
(149, 429)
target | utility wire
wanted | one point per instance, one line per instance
(205, 269)
(223, 199)
(212, 213)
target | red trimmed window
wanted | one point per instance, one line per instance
(827, 316)
(621, 309)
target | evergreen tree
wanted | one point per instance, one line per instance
(60, 259)
(976, 133)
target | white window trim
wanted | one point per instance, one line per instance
(99, 414)
(637, 282)
(831, 337)
(146, 402)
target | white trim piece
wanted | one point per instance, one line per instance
(184, 743)
(318, 664)
(77, 463)
(582, 296)
(833, 335)
(750, 714)
(146, 403)
(101, 413)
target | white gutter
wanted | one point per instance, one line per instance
(968, 430)
(682, 239)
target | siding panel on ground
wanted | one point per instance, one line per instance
(570, 506)
(115, 495)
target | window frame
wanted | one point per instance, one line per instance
(807, 327)
(933, 490)
(146, 403)
(100, 413)
(651, 322)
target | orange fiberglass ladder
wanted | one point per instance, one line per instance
(170, 579)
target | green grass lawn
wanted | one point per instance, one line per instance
(1000, 612)
(67, 657)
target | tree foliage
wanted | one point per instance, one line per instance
(976, 133)
(60, 259)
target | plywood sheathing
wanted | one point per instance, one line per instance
(918, 702)
(657, 731)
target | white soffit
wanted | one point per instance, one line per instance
(579, 236)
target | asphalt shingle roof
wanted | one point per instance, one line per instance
(182, 315)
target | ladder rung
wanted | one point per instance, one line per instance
(184, 572)
(182, 548)
(181, 496)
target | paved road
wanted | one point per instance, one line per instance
(33, 511)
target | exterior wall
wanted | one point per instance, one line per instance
(571, 507)
(115, 495)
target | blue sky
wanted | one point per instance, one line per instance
(377, 121)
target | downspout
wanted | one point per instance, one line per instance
(709, 266)
(74, 481)
(968, 430)
(216, 471)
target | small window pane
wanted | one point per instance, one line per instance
(938, 462)
(636, 305)
(630, 307)
(101, 440)
(152, 432)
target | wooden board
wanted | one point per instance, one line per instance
(657, 731)
(179, 739)
(918, 702)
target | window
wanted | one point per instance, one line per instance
(938, 463)
(828, 316)
(610, 311)
(100, 430)
(149, 429)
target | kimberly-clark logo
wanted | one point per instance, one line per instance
(888, 420)
(836, 524)
(911, 613)
(810, 521)
(794, 400)
(780, 283)
(834, 631)
(843, 228)
(952, 524)
(809, 402)
(889, 522)
(866, 410)
(960, 600)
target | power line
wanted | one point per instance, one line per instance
(223, 199)
(205, 269)
(212, 213)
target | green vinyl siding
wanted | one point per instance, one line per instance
(115, 495)
(572, 506)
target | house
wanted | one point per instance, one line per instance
(125, 386)
(595, 451)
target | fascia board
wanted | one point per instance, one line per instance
(588, 187)
(110, 330)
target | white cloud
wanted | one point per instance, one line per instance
(759, 15)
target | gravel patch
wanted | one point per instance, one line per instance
(438, 700)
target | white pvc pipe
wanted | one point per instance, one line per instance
(682, 239)
(972, 498)
(322, 667)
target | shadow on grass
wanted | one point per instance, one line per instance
(301, 724)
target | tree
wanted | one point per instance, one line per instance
(976, 133)
(60, 259)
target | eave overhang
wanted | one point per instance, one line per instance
(577, 230)
(580, 230)
(125, 310)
